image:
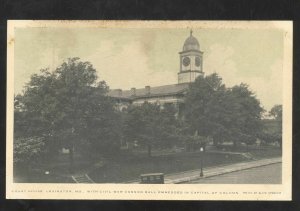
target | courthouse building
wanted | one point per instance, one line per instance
(191, 66)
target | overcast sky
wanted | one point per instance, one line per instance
(127, 58)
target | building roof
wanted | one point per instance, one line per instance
(149, 91)
(191, 43)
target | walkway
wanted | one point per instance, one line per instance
(269, 174)
(187, 176)
(82, 179)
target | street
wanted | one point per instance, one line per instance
(269, 174)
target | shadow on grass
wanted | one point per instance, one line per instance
(126, 166)
(126, 169)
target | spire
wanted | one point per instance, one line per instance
(191, 32)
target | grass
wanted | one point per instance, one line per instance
(39, 176)
(267, 152)
(128, 166)
(58, 168)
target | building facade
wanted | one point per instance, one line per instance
(191, 66)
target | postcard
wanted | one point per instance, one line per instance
(149, 110)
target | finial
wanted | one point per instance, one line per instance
(191, 32)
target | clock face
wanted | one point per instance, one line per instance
(197, 61)
(186, 61)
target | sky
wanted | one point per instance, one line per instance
(137, 57)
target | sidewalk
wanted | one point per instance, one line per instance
(187, 176)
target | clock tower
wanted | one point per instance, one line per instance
(191, 60)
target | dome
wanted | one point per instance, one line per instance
(191, 43)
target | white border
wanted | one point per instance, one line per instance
(183, 191)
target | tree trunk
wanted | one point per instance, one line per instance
(215, 142)
(234, 145)
(280, 144)
(149, 150)
(71, 157)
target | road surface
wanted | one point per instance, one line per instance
(270, 174)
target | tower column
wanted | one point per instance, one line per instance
(190, 60)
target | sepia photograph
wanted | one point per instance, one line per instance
(149, 109)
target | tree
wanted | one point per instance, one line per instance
(206, 109)
(220, 112)
(150, 125)
(170, 127)
(273, 130)
(69, 108)
(247, 113)
(276, 112)
(27, 151)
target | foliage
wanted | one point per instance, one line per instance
(276, 112)
(69, 108)
(272, 130)
(194, 142)
(247, 113)
(270, 137)
(27, 150)
(220, 112)
(150, 125)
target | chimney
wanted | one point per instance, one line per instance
(119, 91)
(147, 88)
(133, 91)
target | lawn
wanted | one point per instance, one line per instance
(266, 152)
(130, 168)
(124, 167)
(39, 176)
(58, 170)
